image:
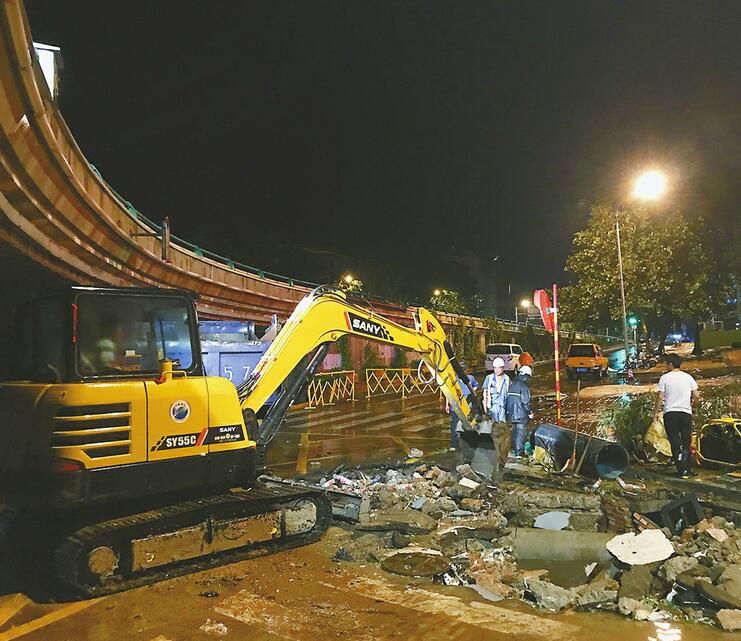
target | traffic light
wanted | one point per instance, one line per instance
(633, 321)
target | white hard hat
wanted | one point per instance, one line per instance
(498, 362)
(525, 369)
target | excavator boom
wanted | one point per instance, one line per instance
(323, 317)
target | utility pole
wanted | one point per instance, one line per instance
(622, 287)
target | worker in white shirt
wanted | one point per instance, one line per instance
(677, 391)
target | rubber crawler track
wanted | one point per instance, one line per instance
(70, 558)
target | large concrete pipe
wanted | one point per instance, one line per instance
(603, 459)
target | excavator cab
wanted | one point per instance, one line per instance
(88, 334)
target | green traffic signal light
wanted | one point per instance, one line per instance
(632, 321)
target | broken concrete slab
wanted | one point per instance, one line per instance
(474, 505)
(404, 521)
(487, 527)
(550, 499)
(412, 561)
(718, 534)
(718, 596)
(731, 573)
(600, 592)
(469, 483)
(627, 606)
(635, 583)
(385, 497)
(552, 521)
(648, 506)
(466, 546)
(466, 470)
(733, 588)
(646, 547)
(439, 506)
(550, 596)
(729, 620)
(367, 547)
(523, 576)
(676, 566)
(400, 540)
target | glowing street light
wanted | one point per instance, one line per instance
(650, 185)
(525, 304)
(348, 278)
(437, 292)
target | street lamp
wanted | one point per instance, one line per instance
(525, 304)
(436, 292)
(348, 278)
(649, 185)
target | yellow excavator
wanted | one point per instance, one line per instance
(123, 464)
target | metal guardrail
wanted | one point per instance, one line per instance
(403, 381)
(505, 323)
(326, 388)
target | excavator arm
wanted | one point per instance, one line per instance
(321, 318)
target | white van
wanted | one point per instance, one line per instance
(509, 352)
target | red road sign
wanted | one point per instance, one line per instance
(543, 303)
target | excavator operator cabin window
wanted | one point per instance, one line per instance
(130, 334)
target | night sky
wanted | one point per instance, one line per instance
(383, 138)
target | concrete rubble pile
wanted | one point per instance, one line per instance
(457, 529)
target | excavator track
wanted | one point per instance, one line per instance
(190, 536)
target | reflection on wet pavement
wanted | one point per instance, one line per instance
(366, 431)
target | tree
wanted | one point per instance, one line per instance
(371, 359)
(350, 284)
(448, 300)
(668, 274)
(400, 359)
(345, 353)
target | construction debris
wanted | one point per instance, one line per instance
(414, 561)
(552, 521)
(213, 628)
(729, 620)
(647, 547)
(453, 527)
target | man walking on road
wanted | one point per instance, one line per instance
(677, 390)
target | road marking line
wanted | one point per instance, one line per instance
(11, 606)
(47, 619)
(303, 453)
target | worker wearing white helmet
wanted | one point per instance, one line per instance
(496, 386)
(519, 411)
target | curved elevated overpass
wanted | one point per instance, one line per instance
(56, 210)
(60, 221)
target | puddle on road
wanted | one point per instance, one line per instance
(567, 574)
